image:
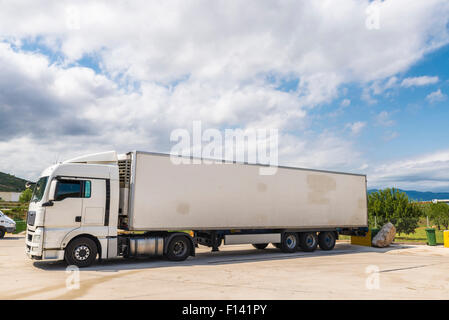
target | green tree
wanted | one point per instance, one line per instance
(439, 214)
(25, 196)
(391, 205)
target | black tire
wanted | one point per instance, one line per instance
(179, 248)
(308, 241)
(289, 242)
(326, 240)
(260, 246)
(81, 252)
(276, 245)
(2, 233)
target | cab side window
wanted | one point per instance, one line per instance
(68, 189)
(87, 189)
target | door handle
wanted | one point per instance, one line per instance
(78, 219)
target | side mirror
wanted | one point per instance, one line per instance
(52, 191)
(29, 184)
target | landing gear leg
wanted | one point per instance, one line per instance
(216, 241)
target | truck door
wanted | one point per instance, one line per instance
(65, 211)
(94, 202)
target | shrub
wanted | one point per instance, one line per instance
(391, 205)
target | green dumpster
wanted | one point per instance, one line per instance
(374, 231)
(431, 238)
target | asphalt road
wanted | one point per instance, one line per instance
(236, 272)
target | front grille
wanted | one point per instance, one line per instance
(30, 237)
(31, 217)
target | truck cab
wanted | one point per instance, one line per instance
(73, 200)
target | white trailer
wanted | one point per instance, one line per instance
(144, 204)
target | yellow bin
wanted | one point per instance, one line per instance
(446, 238)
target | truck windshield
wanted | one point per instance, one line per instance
(39, 189)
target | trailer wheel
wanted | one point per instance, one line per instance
(326, 240)
(289, 242)
(2, 233)
(308, 241)
(260, 246)
(81, 252)
(178, 249)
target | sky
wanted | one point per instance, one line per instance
(356, 86)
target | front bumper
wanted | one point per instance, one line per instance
(34, 248)
(11, 229)
(33, 243)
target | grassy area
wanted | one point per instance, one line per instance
(21, 225)
(419, 236)
(15, 210)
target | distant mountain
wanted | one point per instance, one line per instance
(421, 196)
(11, 183)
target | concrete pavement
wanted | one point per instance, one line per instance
(236, 272)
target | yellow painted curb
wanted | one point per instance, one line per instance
(362, 241)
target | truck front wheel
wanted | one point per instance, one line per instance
(2, 233)
(81, 252)
(326, 240)
(179, 248)
(308, 241)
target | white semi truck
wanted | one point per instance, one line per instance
(145, 204)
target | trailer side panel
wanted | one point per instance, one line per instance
(166, 196)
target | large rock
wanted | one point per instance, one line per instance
(385, 236)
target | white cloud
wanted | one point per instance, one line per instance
(384, 119)
(165, 41)
(436, 96)
(419, 81)
(390, 135)
(345, 103)
(325, 151)
(165, 64)
(380, 86)
(426, 172)
(356, 127)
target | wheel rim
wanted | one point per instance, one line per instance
(180, 248)
(81, 253)
(291, 241)
(310, 241)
